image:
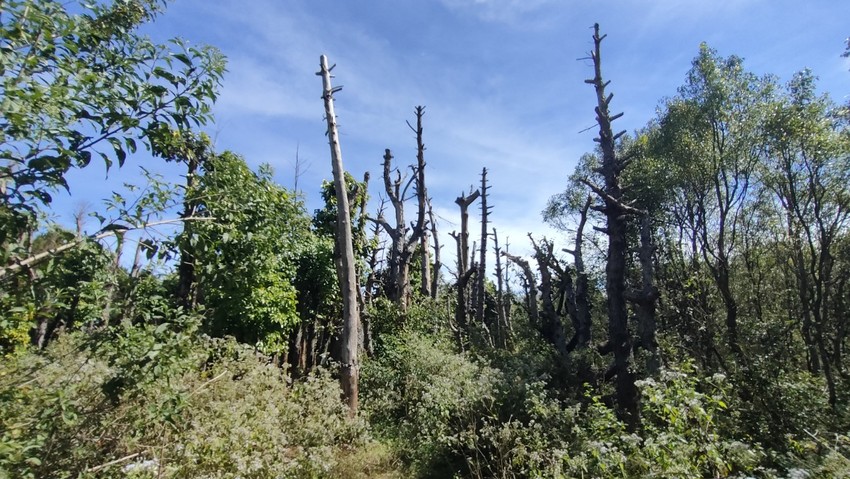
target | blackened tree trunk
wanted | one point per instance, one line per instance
(503, 331)
(348, 281)
(422, 206)
(405, 239)
(482, 262)
(619, 339)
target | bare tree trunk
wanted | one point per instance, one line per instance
(583, 324)
(480, 315)
(403, 245)
(615, 212)
(348, 281)
(531, 289)
(647, 297)
(435, 279)
(422, 205)
(463, 257)
(502, 331)
(551, 327)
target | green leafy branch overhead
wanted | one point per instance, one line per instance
(78, 85)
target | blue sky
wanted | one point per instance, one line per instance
(500, 79)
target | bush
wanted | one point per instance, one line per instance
(447, 414)
(163, 402)
(687, 432)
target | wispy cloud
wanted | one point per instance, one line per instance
(503, 11)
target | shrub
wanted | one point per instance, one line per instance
(164, 402)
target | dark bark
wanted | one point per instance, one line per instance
(404, 239)
(647, 297)
(551, 327)
(463, 260)
(503, 331)
(583, 323)
(615, 212)
(480, 316)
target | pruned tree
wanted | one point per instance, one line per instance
(530, 283)
(480, 315)
(423, 205)
(349, 375)
(503, 331)
(404, 238)
(464, 270)
(616, 212)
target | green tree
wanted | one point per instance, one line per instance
(709, 136)
(808, 169)
(246, 255)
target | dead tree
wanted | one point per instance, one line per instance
(373, 247)
(551, 326)
(349, 373)
(435, 279)
(530, 288)
(616, 212)
(422, 204)
(404, 238)
(645, 298)
(503, 331)
(582, 320)
(480, 315)
(464, 271)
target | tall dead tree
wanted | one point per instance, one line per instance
(616, 212)
(482, 262)
(503, 331)
(530, 288)
(404, 238)
(422, 204)
(349, 373)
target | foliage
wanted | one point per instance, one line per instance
(247, 255)
(428, 400)
(78, 85)
(163, 402)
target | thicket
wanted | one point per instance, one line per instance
(691, 321)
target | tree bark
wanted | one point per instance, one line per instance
(349, 375)
(482, 262)
(615, 212)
